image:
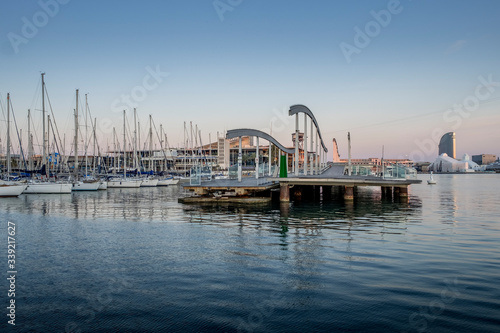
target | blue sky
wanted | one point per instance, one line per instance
(248, 68)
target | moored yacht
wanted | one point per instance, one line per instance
(41, 187)
(124, 183)
(11, 190)
(149, 182)
(168, 181)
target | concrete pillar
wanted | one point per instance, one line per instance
(284, 211)
(403, 191)
(279, 161)
(386, 191)
(306, 158)
(284, 192)
(320, 159)
(257, 160)
(349, 166)
(349, 193)
(311, 162)
(396, 191)
(269, 158)
(317, 153)
(296, 144)
(240, 159)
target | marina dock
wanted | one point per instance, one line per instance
(251, 190)
(310, 174)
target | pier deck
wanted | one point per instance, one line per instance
(333, 176)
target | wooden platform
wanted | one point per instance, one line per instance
(231, 187)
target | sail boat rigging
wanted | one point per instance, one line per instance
(46, 186)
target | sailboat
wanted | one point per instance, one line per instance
(78, 185)
(124, 182)
(150, 181)
(46, 187)
(9, 189)
(168, 179)
(431, 180)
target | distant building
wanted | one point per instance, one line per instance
(447, 145)
(471, 165)
(484, 159)
(375, 163)
(445, 163)
(223, 154)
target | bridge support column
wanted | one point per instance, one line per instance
(386, 191)
(311, 161)
(269, 158)
(296, 145)
(396, 191)
(316, 160)
(306, 157)
(240, 160)
(257, 160)
(349, 193)
(284, 192)
(284, 210)
(403, 191)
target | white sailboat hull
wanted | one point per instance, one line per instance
(11, 190)
(103, 185)
(149, 183)
(124, 183)
(83, 186)
(168, 181)
(48, 188)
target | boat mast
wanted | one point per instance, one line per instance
(86, 134)
(185, 148)
(76, 137)
(30, 143)
(124, 148)
(150, 144)
(163, 148)
(135, 139)
(8, 136)
(95, 140)
(44, 142)
(140, 153)
(47, 168)
(114, 150)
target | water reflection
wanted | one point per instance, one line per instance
(160, 204)
(366, 211)
(329, 261)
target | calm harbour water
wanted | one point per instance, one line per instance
(135, 260)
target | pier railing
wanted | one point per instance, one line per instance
(392, 171)
(200, 173)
